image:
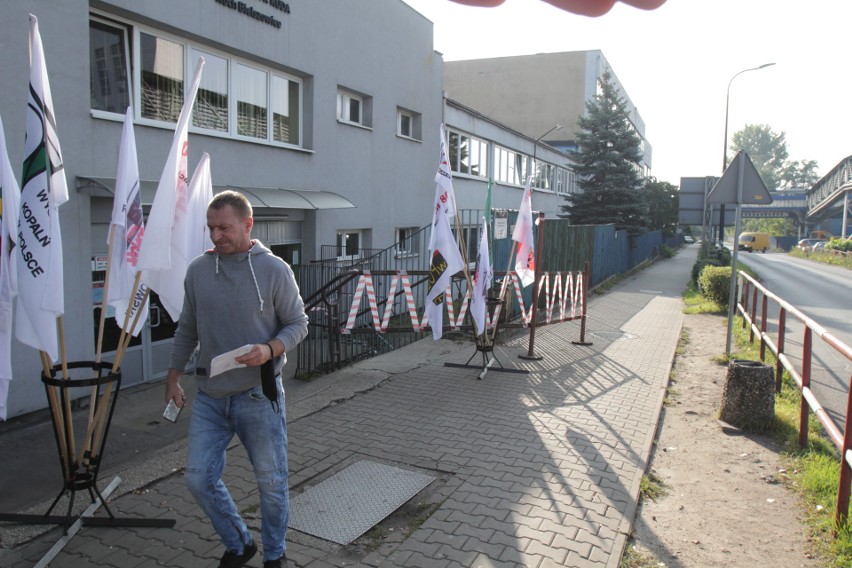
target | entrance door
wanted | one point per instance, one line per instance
(292, 254)
(162, 329)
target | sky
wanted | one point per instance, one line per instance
(676, 64)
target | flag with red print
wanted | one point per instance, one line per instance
(126, 232)
(445, 197)
(481, 281)
(164, 244)
(523, 235)
(446, 260)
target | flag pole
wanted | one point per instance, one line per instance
(127, 332)
(61, 440)
(99, 345)
(101, 323)
(462, 243)
(98, 428)
(502, 296)
(69, 417)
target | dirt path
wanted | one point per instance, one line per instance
(726, 504)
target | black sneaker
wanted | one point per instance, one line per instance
(233, 560)
(279, 563)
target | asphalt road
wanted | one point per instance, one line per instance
(824, 293)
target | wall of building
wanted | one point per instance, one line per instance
(379, 48)
(537, 91)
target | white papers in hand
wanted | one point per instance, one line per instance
(227, 361)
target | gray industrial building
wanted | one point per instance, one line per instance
(538, 91)
(326, 114)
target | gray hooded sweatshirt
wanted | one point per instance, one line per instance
(233, 300)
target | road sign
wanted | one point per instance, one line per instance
(754, 191)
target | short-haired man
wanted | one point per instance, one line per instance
(238, 293)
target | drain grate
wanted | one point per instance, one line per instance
(350, 502)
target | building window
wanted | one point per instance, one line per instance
(354, 108)
(543, 175)
(211, 105)
(468, 155)
(235, 98)
(408, 124)
(407, 241)
(348, 244)
(252, 107)
(509, 166)
(161, 78)
(286, 102)
(109, 74)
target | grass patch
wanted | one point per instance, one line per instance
(651, 486)
(698, 304)
(637, 558)
(814, 471)
(826, 257)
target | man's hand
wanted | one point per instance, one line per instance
(259, 354)
(173, 389)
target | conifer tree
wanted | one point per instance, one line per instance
(608, 165)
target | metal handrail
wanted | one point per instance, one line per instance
(842, 440)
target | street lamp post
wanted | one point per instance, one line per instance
(556, 126)
(725, 148)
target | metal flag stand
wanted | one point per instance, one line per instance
(81, 473)
(485, 346)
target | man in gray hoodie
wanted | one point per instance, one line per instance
(238, 294)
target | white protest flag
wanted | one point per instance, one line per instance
(43, 189)
(200, 195)
(523, 235)
(10, 202)
(127, 230)
(481, 281)
(445, 197)
(446, 261)
(162, 248)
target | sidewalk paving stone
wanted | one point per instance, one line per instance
(538, 469)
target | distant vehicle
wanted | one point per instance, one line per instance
(688, 240)
(754, 241)
(807, 245)
(819, 246)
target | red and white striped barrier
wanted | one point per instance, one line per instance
(566, 299)
(365, 283)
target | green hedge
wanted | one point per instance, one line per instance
(840, 244)
(714, 283)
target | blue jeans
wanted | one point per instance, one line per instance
(214, 422)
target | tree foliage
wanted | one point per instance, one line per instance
(801, 174)
(777, 226)
(608, 165)
(768, 152)
(662, 201)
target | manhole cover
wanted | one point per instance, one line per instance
(350, 502)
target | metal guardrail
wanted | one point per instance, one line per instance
(752, 294)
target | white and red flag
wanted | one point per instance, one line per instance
(163, 257)
(445, 197)
(38, 256)
(126, 231)
(481, 281)
(446, 260)
(10, 202)
(523, 235)
(200, 195)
